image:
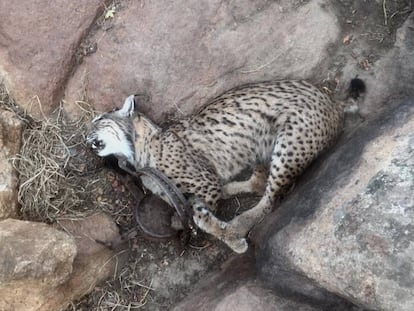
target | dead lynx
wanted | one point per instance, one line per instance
(280, 125)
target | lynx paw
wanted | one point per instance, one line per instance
(206, 221)
(202, 217)
(238, 245)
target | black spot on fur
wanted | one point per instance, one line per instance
(356, 88)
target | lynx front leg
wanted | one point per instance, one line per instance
(207, 222)
(255, 184)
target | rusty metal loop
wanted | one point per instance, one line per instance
(174, 195)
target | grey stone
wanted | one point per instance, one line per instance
(183, 53)
(235, 287)
(347, 227)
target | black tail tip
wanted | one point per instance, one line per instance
(356, 88)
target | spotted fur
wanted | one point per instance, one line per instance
(276, 128)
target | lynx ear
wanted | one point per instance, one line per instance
(128, 108)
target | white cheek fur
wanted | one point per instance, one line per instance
(114, 145)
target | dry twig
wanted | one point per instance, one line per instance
(384, 9)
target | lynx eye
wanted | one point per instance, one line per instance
(97, 118)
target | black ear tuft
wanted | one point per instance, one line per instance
(356, 88)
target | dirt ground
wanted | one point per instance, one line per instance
(159, 274)
(371, 28)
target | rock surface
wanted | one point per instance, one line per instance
(99, 254)
(35, 259)
(347, 227)
(42, 268)
(393, 74)
(234, 287)
(183, 53)
(38, 44)
(10, 140)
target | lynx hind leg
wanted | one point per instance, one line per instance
(255, 184)
(289, 159)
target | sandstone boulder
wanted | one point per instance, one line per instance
(348, 225)
(100, 255)
(10, 140)
(38, 44)
(183, 53)
(35, 259)
(42, 268)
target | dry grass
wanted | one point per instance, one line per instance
(48, 169)
(60, 178)
(8, 103)
(50, 164)
(52, 169)
(128, 291)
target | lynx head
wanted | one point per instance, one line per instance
(113, 133)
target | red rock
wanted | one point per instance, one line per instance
(38, 42)
(35, 260)
(183, 53)
(42, 268)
